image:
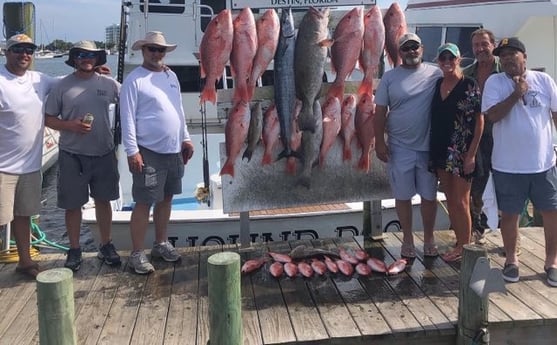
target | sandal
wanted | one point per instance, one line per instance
(453, 256)
(430, 250)
(30, 271)
(408, 250)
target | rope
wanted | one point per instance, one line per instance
(38, 240)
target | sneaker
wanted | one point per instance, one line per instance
(73, 259)
(510, 273)
(551, 276)
(166, 251)
(139, 263)
(108, 253)
(479, 237)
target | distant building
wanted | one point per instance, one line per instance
(112, 34)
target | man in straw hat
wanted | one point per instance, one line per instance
(21, 129)
(78, 107)
(157, 142)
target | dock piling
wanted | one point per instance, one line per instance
(472, 309)
(55, 300)
(225, 308)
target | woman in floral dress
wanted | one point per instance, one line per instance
(456, 128)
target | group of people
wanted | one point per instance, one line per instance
(155, 137)
(448, 127)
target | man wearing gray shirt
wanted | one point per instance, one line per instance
(402, 113)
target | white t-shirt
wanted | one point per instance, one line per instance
(151, 112)
(523, 140)
(22, 120)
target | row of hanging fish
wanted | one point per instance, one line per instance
(306, 131)
(308, 261)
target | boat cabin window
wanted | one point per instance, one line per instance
(216, 6)
(433, 36)
(163, 6)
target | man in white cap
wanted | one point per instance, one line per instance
(403, 104)
(22, 93)
(157, 142)
(78, 107)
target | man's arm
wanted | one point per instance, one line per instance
(501, 109)
(76, 125)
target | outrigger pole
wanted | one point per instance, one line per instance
(120, 73)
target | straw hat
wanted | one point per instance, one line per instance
(88, 46)
(155, 38)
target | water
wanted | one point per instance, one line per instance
(52, 218)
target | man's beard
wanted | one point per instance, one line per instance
(412, 61)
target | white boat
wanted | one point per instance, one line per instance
(239, 210)
(533, 21)
(44, 54)
(50, 148)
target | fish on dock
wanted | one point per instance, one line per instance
(302, 252)
(252, 265)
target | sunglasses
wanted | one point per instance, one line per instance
(156, 49)
(86, 55)
(410, 47)
(447, 57)
(21, 50)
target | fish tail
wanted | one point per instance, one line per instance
(306, 121)
(209, 94)
(363, 164)
(228, 168)
(336, 90)
(266, 159)
(247, 154)
(285, 153)
(366, 87)
(291, 166)
(347, 153)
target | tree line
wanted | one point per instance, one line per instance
(60, 45)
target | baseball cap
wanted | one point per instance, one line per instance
(449, 47)
(407, 38)
(19, 39)
(509, 42)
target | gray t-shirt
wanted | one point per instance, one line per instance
(72, 98)
(407, 92)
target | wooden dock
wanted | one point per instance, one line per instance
(170, 306)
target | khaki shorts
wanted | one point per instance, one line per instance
(20, 195)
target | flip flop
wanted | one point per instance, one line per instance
(30, 271)
(430, 250)
(408, 250)
(452, 256)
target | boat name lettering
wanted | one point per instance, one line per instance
(193, 241)
(302, 2)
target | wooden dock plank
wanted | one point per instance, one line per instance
(512, 306)
(95, 308)
(364, 312)
(250, 318)
(153, 310)
(396, 313)
(335, 315)
(25, 326)
(303, 312)
(182, 311)
(451, 277)
(273, 315)
(121, 322)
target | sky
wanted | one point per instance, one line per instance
(74, 20)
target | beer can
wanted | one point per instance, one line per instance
(88, 119)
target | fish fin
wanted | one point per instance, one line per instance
(266, 159)
(326, 42)
(247, 154)
(347, 153)
(202, 73)
(208, 94)
(363, 163)
(366, 87)
(291, 166)
(228, 168)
